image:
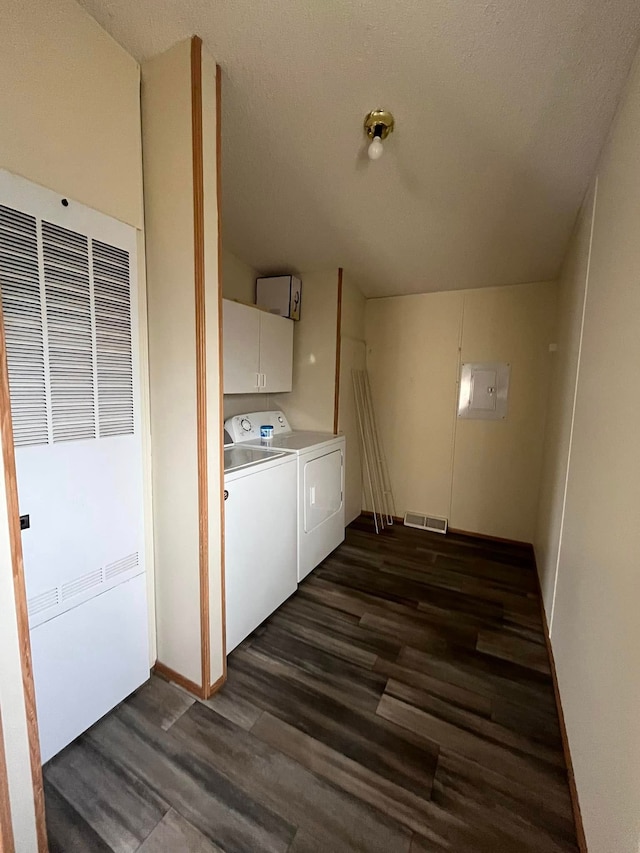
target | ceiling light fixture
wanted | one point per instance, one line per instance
(378, 125)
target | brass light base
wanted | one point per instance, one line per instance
(381, 120)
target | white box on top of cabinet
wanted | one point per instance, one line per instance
(258, 350)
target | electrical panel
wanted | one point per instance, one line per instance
(484, 390)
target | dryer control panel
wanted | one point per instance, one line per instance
(247, 427)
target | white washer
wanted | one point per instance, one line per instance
(320, 457)
(260, 536)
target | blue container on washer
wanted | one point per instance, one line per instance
(266, 431)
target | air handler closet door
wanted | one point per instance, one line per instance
(68, 281)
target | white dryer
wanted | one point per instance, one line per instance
(320, 458)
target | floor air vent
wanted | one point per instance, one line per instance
(425, 522)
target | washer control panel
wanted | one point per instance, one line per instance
(247, 427)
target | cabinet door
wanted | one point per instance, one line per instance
(241, 355)
(276, 352)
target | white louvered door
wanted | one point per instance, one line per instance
(68, 284)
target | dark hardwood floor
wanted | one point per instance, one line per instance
(399, 701)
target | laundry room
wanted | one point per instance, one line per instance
(291, 423)
(315, 329)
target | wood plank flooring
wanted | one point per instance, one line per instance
(399, 702)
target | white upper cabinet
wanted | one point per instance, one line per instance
(276, 352)
(241, 341)
(258, 350)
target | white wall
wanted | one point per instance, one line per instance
(240, 404)
(71, 106)
(311, 404)
(561, 401)
(12, 704)
(595, 630)
(168, 172)
(213, 299)
(238, 278)
(481, 475)
(352, 357)
(166, 103)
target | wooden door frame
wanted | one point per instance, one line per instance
(336, 402)
(17, 568)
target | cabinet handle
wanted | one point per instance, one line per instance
(258, 375)
(264, 380)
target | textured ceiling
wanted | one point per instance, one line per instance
(501, 109)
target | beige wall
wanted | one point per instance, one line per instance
(412, 359)
(352, 357)
(240, 404)
(166, 122)
(238, 278)
(166, 105)
(481, 475)
(352, 321)
(562, 389)
(595, 629)
(214, 386)
(311, 403)
(71, 106)
(496, 464)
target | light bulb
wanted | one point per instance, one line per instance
(375, 149)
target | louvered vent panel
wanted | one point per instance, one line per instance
(125, 564)
(112, 295)
(19, 282)
(70, 337)
(425, 522)
(44, 601)
(81, 584)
